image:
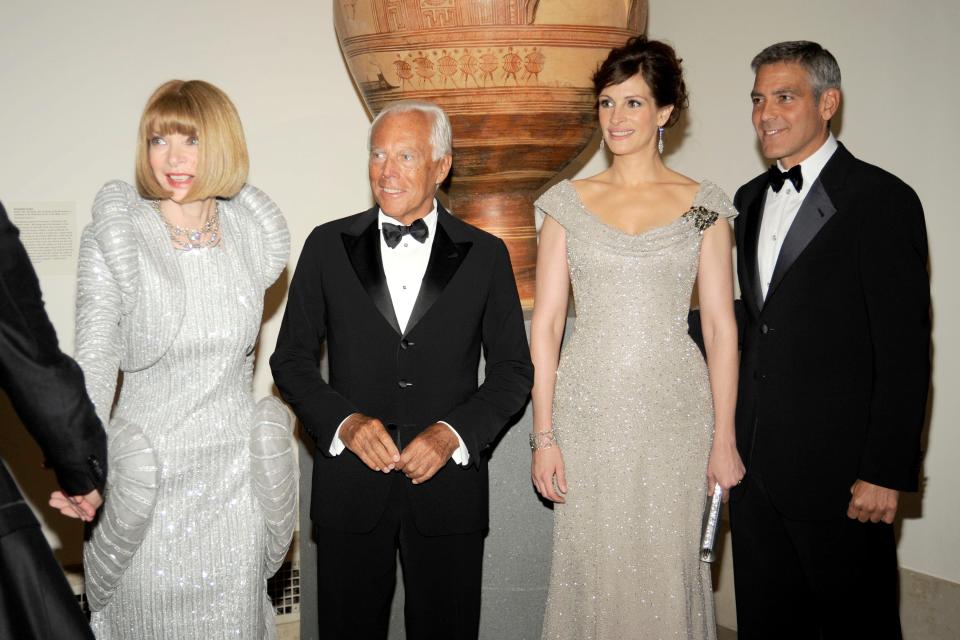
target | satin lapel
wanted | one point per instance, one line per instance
(445, 258)
(363, 250)
(816, 211)
(750, 238)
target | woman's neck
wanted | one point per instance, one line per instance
(637, 169)
(191, 215)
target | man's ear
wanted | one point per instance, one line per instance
(829, 103)
(443, 169)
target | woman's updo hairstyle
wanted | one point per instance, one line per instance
(656, 62)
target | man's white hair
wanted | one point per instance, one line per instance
(441, 133)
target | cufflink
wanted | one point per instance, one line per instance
(95, 465)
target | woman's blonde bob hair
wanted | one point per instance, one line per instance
(195, 108)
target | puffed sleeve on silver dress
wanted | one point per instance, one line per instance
(106, 290)
(273, 462)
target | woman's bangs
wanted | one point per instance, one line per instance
(172, 114)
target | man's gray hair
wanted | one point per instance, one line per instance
(441, 133)
(820, 65)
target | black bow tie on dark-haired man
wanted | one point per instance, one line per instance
(831, 257)
(777, 177)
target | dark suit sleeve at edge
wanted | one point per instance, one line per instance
(45, 386)
(896, 289)
(738, 203)
(508, 371)
(296, 361)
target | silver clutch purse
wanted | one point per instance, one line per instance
(711, 521)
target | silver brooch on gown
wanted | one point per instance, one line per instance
(703, 218)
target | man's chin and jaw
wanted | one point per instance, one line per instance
(781, 143)
(402, 205)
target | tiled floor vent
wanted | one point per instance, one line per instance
(284, 590)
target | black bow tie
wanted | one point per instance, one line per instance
(393, 232)
(777, 177)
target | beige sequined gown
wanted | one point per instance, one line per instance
(200, 497)
(634, 418)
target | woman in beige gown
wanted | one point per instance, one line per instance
(631, 427)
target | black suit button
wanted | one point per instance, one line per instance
(97, 468)
(406, 344)
(764, 328)
(403, 384)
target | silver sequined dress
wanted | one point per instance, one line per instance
(200, 498)
(633, 416)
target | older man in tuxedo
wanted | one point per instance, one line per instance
(832, 261)
(405, 296)
(46, 389)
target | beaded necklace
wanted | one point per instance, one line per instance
(186, 239)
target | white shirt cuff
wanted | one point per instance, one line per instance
(460, 455)
(337, 446)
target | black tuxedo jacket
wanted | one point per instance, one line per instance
(836, 362)
(44, 385)
(467, 302)
(46, 389)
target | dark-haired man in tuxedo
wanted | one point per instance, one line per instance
(405, 296)
(832, 262)
(46, 388)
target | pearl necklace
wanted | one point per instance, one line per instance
(186, 239)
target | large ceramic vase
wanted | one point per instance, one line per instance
(514, 76)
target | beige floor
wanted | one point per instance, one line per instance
(291, 631)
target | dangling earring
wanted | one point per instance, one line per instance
(602, 143)
(660, 140)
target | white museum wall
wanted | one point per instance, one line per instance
(74, 78)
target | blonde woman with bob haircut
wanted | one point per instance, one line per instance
(200, 497)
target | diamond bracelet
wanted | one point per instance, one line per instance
(542, 440)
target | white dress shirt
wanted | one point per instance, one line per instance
(780, 209)
(404, 267)
(405, 264)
